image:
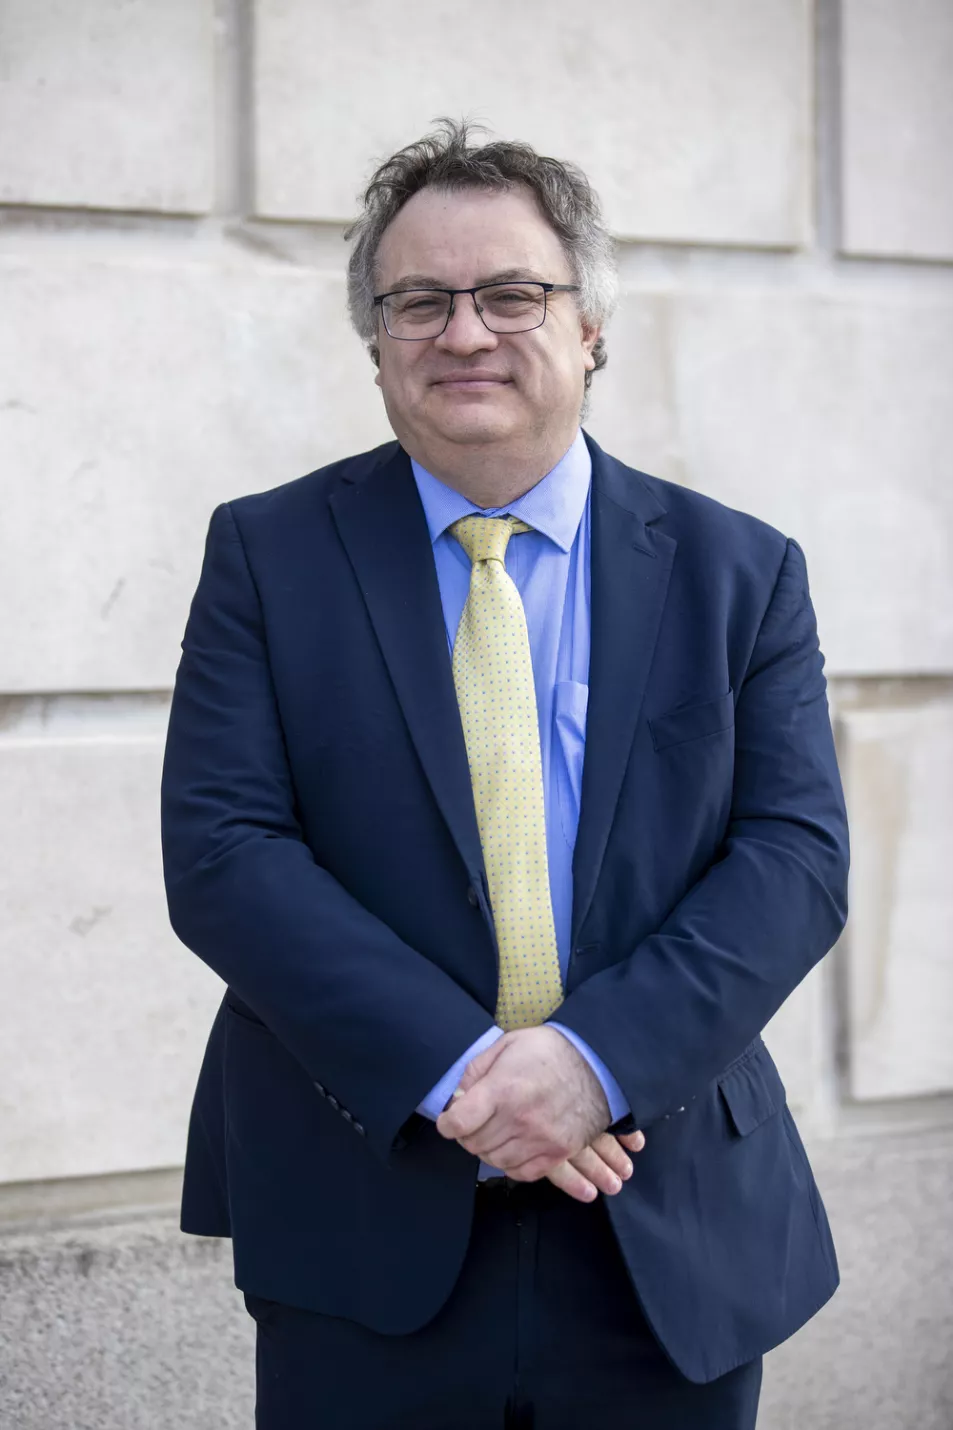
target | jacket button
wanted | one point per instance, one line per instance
(472, 896)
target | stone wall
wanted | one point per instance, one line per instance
(175, 177)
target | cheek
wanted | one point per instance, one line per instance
(553, 366)
(393, 377)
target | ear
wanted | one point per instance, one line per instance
(590, 336)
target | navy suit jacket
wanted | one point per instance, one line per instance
(321, 854)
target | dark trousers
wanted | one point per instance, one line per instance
(541, 1332)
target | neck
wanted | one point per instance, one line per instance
(486, 475)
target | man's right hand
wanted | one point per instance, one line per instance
(601, 1167)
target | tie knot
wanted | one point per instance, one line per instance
(485, 538)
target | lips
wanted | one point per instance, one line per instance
(471, 379)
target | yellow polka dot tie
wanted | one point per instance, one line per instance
(493, 675)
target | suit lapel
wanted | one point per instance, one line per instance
(630, 568)
(382, 525)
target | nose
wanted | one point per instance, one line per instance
(466, 331)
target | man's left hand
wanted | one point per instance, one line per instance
(530, 1101)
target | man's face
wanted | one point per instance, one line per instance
(470, 387)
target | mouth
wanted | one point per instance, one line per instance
(467, 382)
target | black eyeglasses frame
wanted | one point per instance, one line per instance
(456, 292)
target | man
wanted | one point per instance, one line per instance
(500, 790)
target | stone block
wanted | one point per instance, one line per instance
(105, 1015)
(135, 396)
(829, 417)
(877, 1356)
(131, 1324)
(693, 121)
(795, 1038)
(897, 118)
(898, 775)
(632, 413)
(127, 1324)
(107, 104)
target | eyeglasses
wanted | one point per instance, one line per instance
(416, 313)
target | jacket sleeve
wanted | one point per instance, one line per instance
(670, 1016)
(373, 1022)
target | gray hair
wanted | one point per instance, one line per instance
(445, 159)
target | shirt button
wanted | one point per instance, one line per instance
(472, 896)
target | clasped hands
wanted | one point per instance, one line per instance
(531, 1105)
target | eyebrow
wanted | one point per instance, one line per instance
(506, 275)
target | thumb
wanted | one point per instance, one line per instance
(480, 1065)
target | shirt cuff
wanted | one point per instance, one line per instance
(439, 1095)
(616, 1098)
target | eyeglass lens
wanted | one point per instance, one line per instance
(504, 308)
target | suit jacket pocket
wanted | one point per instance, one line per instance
(752, 1089)
(691, 722)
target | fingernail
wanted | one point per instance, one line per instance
(616, 1184)
(627, 1170)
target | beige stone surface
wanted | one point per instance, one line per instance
(898, 774)
(877, 1356)
(107, 103)
(692, 120)
(633, 414)
(796, 1039)
(105, 1015)
(897, 117)
(132, 1324)
(830, 418)
(134, 396)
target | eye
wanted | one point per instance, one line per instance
(512, 299)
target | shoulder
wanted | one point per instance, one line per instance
(305, 496)
(694, 517)
(723, 558)
(715, 543)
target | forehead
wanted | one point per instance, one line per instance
(463, 237)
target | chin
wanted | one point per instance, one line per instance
(474, 425)
(473, 432)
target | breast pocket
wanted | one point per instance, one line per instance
(570, 705)
(693, 722)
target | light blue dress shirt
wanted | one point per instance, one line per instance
(550, 567)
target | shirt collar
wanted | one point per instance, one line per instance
(553, 507)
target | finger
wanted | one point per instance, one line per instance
(570, 1180)
(597, 1171)
(634, 1141)
(480, 1065)
(467, 1113)
(613, 1154)
(510, 1153)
